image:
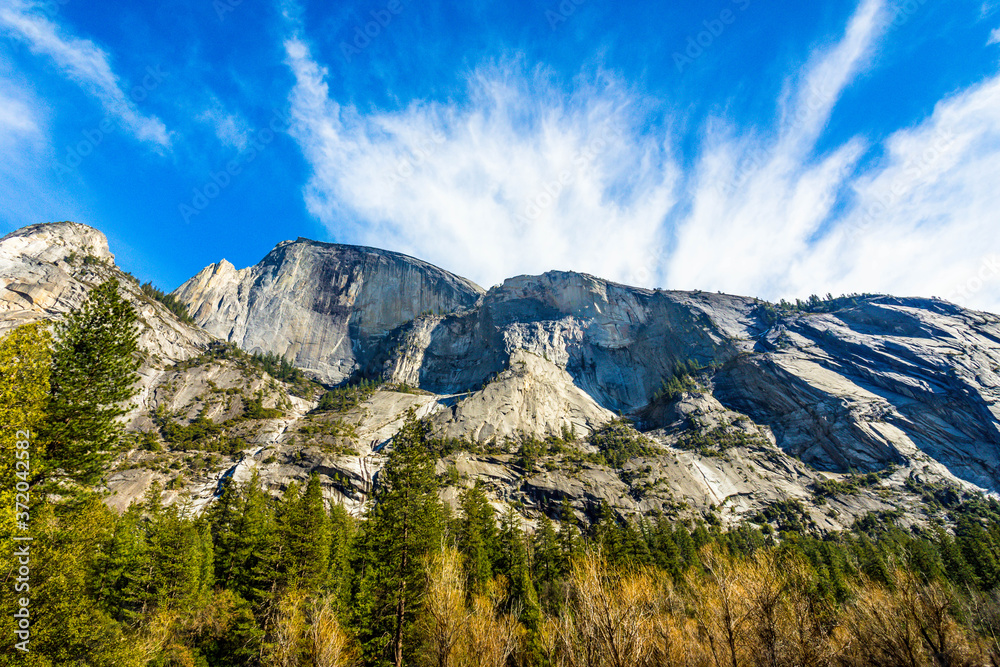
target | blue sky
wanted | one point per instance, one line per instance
(767, 149)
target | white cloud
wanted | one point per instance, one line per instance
(16, 118)
(84, 63)
(518, 180)
(757, 202)
(28, 192)
(994, 37)
(920, 222)
(761, 212)
(924, 221)
(230, 128)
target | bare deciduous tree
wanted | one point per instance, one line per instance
(329, 645)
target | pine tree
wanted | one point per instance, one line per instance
(607, 534)
(634, 549)
(245, 536)
(977, 548)
(403, 529)
(954, 562)
(477, 538)
(546, 562)
(521, 593)
(180, 558)
(94, 363)
(339, 572)
(570, 542)
(304, 528)
(514, 564)
(666, 554)
(123, 569)
(686, 546)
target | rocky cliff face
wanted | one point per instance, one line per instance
(881, 383)
(885, 382)
(322, 306)
(781, 404)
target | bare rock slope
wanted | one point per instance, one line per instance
(743, 410)
(322, 306)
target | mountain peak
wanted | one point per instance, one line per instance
(53, 241)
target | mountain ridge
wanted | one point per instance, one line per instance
(771, 403)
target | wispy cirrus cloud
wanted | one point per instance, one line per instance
(518, 179)
(475, 185)
(230, 128)
(84, 63)
(16, 117)
(758, 199)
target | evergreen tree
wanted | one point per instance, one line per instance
(547, 566)
(665, 552)
(686, 546)
(303, 527)
(477, 538)
(634, 549)
(244, 535)
(180, 558)
(339, 572)
(521, 593)
(570, 542)
(94, 363)
(403, 529)
(123, 569)
(954, 562)
(977, 548)
(606, 534)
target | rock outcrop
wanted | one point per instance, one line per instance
(322, 306)
(46, 270)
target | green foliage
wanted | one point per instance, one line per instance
(94, 363)
(342, 399)
(716, 441)
(476, 537)
(224, 588)
(25, 364)
(828, 304)
(253, 408)
(69, 625)
(403, 529)
(853, 484)
(256, 364)
(278, 367)
(789, 515)
(619, 443)
(304, 536)
(528, 452)
(513, 561)
(201, 434)
(680, 381)
(342, 530)
(170, 301)
(244, 532)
